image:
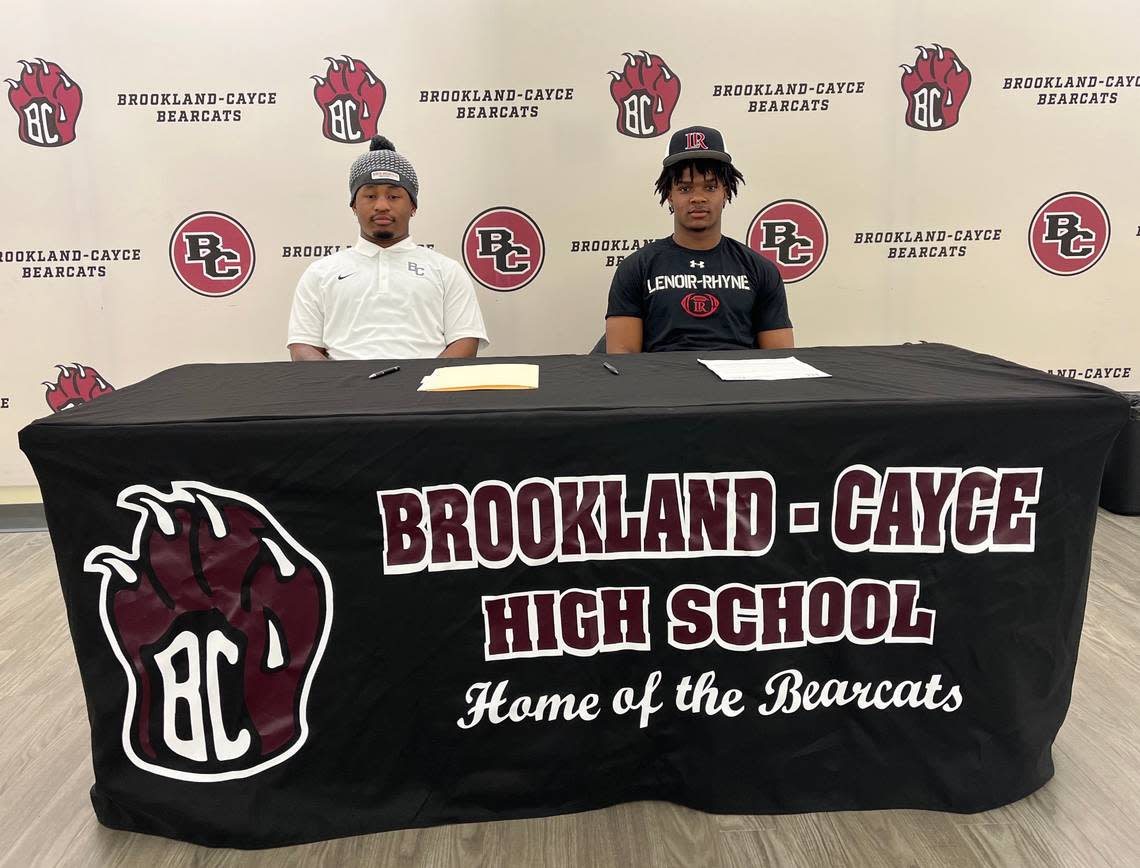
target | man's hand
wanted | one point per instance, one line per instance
(775, 339)
(463, 348)
(624, 334)
(307, 353)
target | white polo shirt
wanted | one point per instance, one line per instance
(372, 302)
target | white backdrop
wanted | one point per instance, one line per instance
(128, 179)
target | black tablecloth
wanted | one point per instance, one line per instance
(308, 604)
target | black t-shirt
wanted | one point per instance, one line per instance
(699, 299)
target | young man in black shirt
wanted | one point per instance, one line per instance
(697, 290)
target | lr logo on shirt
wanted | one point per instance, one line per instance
(503, 249)
(212, 254)
(700, 304)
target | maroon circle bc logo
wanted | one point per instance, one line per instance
(212, 254)
(792, 235)
(1069, 234)
(503, 249)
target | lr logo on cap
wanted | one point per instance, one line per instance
(1069, 234)
(646, 92)
(212, 254)
(503, 249)
(792, 235)
(48, 103)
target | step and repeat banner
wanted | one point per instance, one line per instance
(917, 171)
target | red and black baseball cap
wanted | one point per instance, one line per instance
(696, 143)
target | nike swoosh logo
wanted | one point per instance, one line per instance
(343, 276)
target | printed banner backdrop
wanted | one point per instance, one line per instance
(918, 171)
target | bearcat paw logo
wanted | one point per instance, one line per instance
(351, 98)
(75, 385)
(935, 88)
(219, 619)
(646, 92)
(48, 103)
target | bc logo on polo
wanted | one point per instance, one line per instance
(935, 87)
(48, 103)
(219, 619)
(351, 98)
(646, 92)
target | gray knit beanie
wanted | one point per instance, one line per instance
(382, 165)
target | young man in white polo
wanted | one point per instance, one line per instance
(385, 297)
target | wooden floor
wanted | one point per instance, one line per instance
(1088, 815)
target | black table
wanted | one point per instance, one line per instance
(308, 604)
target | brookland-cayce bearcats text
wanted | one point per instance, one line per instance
(693, 515)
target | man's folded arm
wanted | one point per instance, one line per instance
(624, 334)
(307, 353)
(625, 307)
(775, 339)
(463, 326)
(307, 321)
(462, 348)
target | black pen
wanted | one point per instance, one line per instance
(384, 372)
(610, 368)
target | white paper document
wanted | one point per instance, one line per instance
(467, 378)
(790, 368)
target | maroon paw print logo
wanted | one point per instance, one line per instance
(48, 103)
(75, 385)
(351, 98)
(935, 88)
(219, 619)
(646, 92)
